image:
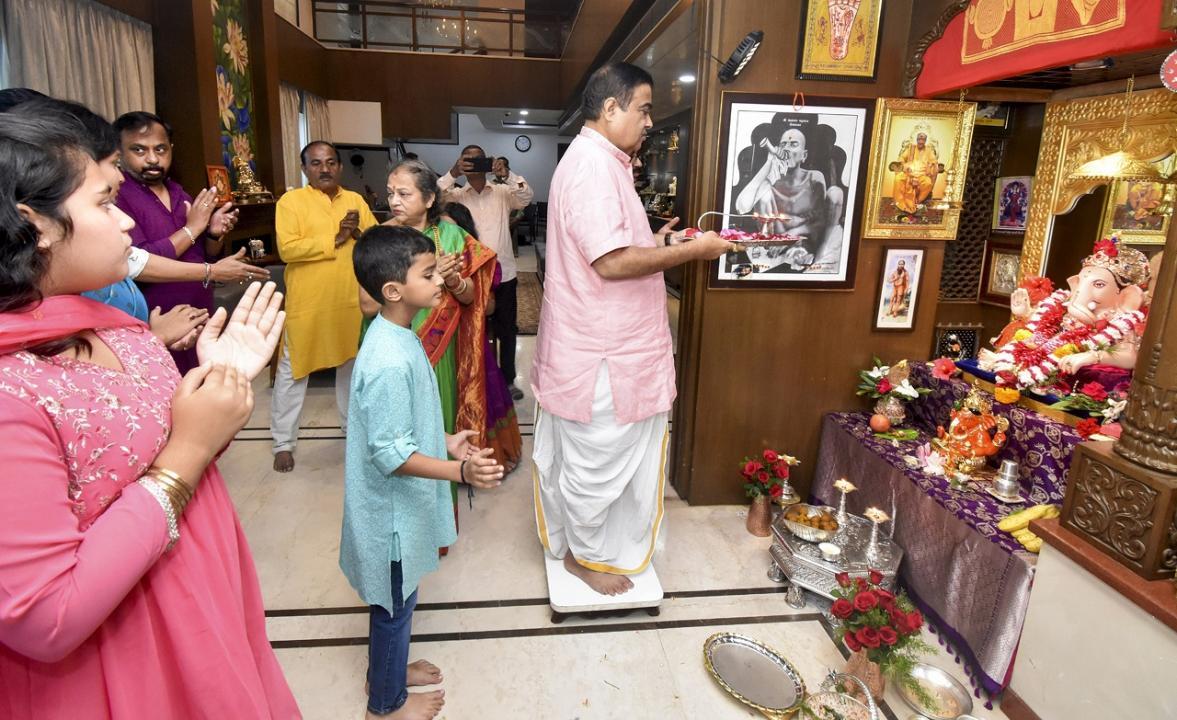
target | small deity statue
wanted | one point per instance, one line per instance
(673, 189)
(1098, 320)
(249, 190)
(973, 434)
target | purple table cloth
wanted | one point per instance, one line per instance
(971, 580)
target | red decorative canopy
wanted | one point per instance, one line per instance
(995, 39)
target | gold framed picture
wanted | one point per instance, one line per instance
(1132, 211)
(912, 152)
(839, 40)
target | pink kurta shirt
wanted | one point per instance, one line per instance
(585, 318)
(96, 620)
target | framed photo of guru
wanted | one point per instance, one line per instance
(793, 167)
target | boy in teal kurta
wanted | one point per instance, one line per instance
(395, 512)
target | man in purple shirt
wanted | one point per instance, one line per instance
(168, 222)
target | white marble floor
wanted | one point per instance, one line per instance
(483, 617)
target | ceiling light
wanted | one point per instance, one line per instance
(740, 56)
(1122, 164)
(687, 78)
(524, 112)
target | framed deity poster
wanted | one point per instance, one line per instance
(798, 172)
(218, 177)
(1011, 203)
(999, 276)
(898, 288)
(1133, 211)
(913, 150)
(839, 40)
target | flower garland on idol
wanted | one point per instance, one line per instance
(1036, 350)
(1031, 359)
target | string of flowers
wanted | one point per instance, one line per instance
(884, 624)
(1031, 359)
(767, 474)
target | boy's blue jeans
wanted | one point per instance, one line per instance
(388, 649)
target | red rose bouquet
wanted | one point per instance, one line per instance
(767, 474)
(1104, 407)
(883, 624)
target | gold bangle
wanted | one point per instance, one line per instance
(168, 473)
(182, 491)
(178, 495)
(174, 478)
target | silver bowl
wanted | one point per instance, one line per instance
(805, 532)
(952, 699)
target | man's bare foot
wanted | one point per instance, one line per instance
(423, 672)
(284, 461)
(604, 583)
(419, 706)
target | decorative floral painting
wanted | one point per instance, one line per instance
(839, 39)
(234, 81)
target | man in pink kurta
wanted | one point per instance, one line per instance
(604, 368)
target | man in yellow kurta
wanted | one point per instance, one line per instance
(316, 227)
(916, 174)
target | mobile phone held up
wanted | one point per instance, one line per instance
(481, 164)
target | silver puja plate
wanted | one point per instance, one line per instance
(802, 564)
(951, 698)
(754, 674)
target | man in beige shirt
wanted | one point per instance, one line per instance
(491, 205)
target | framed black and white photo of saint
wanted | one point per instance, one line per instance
(794, 170)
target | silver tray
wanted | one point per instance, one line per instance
(952, 699)
(754, 674)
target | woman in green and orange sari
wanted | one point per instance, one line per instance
(454, 332)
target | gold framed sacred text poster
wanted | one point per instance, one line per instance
(839, 40)
(913, 148)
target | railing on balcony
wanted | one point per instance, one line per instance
(442, 26)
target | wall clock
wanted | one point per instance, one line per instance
(522, 143)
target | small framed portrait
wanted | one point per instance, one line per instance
(1011, 204)
(1134, 211)
(992, 115)
(898, 288)
(958, 341)
(839, 40)
(218, 177)
(794, 175)
(999, 276)
(913, 155)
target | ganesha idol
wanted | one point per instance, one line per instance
(1092, 328)
(974, 433)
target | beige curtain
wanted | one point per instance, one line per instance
(288, 97)
(318, 117)
(80, 50)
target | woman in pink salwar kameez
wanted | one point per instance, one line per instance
(108, 608)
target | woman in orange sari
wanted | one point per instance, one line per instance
(454, 332)
(502, 425)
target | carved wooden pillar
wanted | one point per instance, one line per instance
(1124, 502)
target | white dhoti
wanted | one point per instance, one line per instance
(599, 485)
